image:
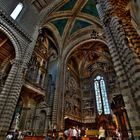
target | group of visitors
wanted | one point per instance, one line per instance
(69, 134)
(72, 133)
(16, 135)
(103, 134)
(77, 134)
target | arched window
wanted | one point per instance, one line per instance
(17, 10)
(101, 95)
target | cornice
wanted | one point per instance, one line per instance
(13, 24)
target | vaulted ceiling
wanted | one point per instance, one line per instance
(70, 20)
(86, 58)
(73, 17)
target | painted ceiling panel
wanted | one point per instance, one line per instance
(70, 12)
(68, 6)
(79, 24)
(60, 24)
(90, 8)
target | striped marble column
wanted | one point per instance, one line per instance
(129, 51)
(112, 44)
(131, 66)
(9, 96)
(125, 56)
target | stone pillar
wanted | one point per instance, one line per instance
(124, 53)
(9, 96)
(58, 98)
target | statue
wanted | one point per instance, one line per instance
(17, 118)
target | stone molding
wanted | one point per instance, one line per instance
(13, 24)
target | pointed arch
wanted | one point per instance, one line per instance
(13, 39)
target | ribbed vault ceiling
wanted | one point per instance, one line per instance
(86, 55)
(73, 17)
(70, 21)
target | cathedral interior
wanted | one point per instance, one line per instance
(66, 63)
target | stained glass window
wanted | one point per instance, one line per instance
(101, 95)
(16, 11)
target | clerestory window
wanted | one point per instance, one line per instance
(17, 10)
(101, 96)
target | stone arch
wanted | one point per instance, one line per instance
(8, 103)
(13, 39)
(77, 43)
(47, 10)
(55, 35)
(12, 52)
(68, 51)
(73, 46)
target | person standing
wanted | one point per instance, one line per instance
(9, 136)
(70, 131)
(79, 133)
(15, 135)
(82, 132)
(74, 133)
(49, 135)
(66, 133)
(101, 133)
